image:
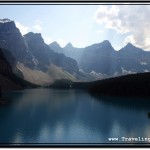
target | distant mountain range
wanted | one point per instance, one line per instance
(69, 50)
(102, 59)
(32, 60)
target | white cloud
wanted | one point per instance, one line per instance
(130, 39)
(37, 21)
(37, 27)
(23, 29)
(99, 31)
(131, 19)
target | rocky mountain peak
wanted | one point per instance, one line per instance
(106, 42)
(12, 40)
(54, 44)
(31, 34)
(130, 48)
(56, 47)
(130, 45)
(69, 45)
(106, 45)
(5, 20)
(7, 25)
(34, 36)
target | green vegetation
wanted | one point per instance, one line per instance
(62, 84)
(136, 85)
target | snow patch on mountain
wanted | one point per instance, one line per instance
(5, 20)
(124, 71)
(97, 74)
(145, 70)
(143, 63)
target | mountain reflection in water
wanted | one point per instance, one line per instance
(71, 116)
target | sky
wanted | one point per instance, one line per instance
(84, 25)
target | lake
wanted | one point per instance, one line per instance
(72, 117)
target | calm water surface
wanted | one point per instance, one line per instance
(71, 116)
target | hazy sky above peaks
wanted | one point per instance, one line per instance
(83, 25)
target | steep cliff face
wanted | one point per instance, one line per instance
(99, 58)
(30, 58)
(5, 68)
(6, 75)
(8, 80)
(39, 49)
(73, 52)
(103, 59)
(56, 47)
(133, 59)
(12, 40)
(46, 56)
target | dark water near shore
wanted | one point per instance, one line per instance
(71, 116)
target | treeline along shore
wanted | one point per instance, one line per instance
(127, 85)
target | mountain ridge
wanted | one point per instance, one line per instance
(32, 54)
(102, 58)
(97, 61)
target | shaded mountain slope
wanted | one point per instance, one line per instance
(104, 61)
(8, 80)
(46, 56)
(32, 56)
(98, 58)
(12, 40)
(103, 58)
